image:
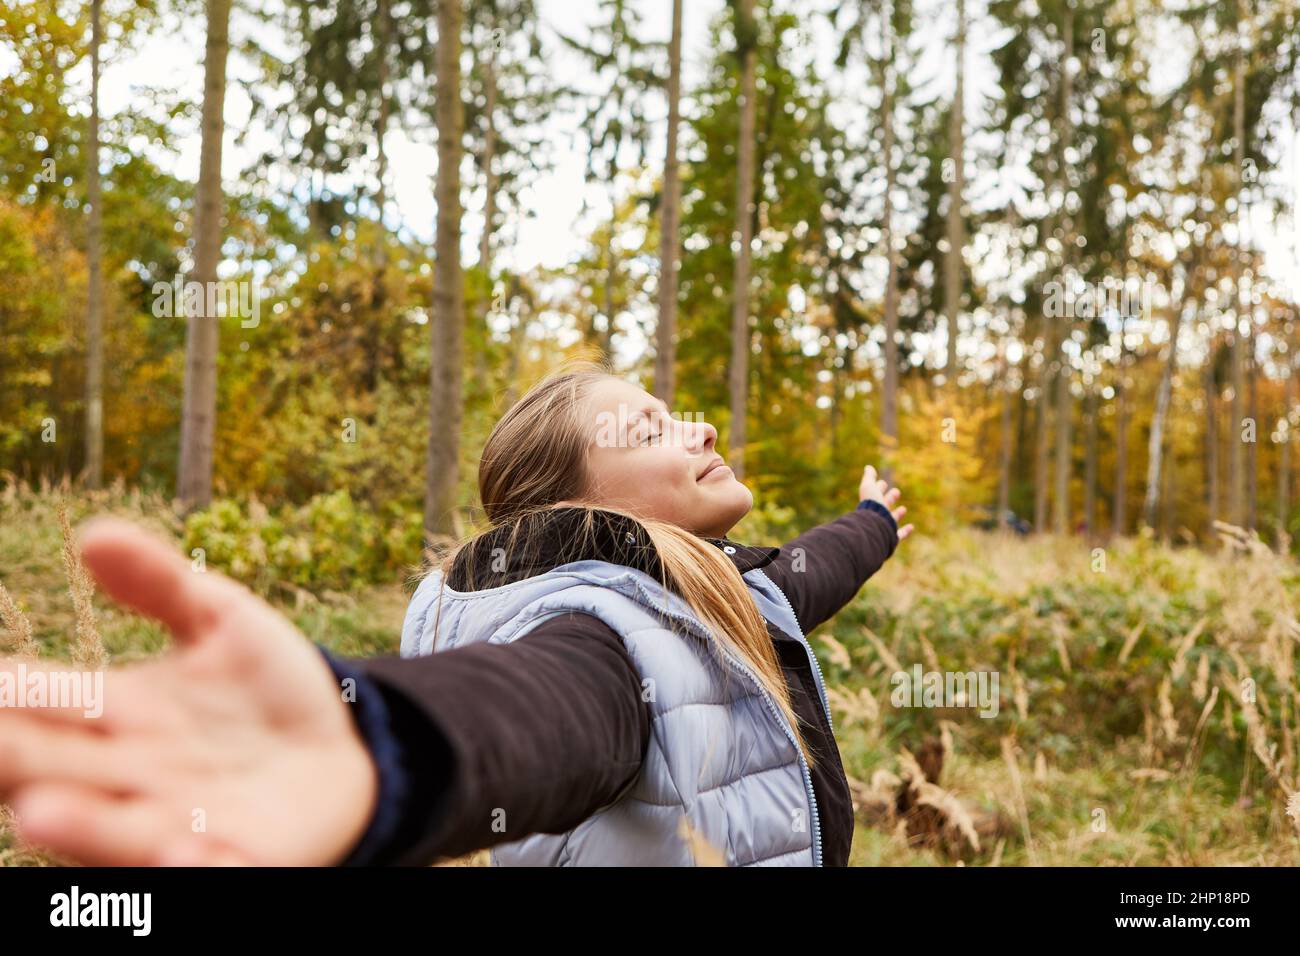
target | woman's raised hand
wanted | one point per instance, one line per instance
(235, 747)
(874, 488)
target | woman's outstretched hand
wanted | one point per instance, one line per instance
(235, 747)
(873, 488)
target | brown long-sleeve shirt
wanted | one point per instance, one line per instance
(545, 731)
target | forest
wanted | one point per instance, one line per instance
(270, 272)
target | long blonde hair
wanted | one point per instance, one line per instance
(536, 457)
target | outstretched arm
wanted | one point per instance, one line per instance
(493, 742)
(244, 725)
(824, 568)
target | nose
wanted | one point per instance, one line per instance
(700, 437)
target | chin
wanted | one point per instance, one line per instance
(738, 502)
(745, 498)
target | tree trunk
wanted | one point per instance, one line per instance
(956, 226)
(1252, 455)
(448, 327)
(489, 160)
(669, 241)
(489, 205)
(385, 43)
(1155, 443)
(746, 48)
(1061, 497)
(1090, 466)
(1237, 458)
(1119, 518)
(1004, 449)
(199, 411)
(94, 277)
(1284, 463)
(518, 335)
(611, 278)
(1042, 406)
(1168, 504)
(837, 402)
(889, 401)
(1061, 500)
(1211, 442)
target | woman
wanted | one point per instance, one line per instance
(614, 681)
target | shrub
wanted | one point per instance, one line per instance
(328, 543)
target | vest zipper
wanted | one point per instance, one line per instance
(812, 657)
(771, 706)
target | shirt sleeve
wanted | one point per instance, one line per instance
(489, 743)
(824, 568)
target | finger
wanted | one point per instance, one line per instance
(892, 496)
(35, 752)
(94, 827)
(146, 574)
(869, 473)
(898, 513)
(904, 532)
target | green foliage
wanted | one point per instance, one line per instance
(330, 542)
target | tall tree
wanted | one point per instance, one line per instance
(1119, 509)
(1237, 353)
(199, 408)
(507, 100)
(746, 31)
(614, 120)
(878, 32)
(94, 278)
(954, 266)
(1287, 431)
(1070, 75)
(889, 400)
(383, 55)
(447, 330)
(1061, 498)
(1245, 56)
(670, 225)
(489, 150)
(1155, 445)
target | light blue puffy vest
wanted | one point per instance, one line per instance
(720, 754)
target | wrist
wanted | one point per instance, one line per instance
(870, 504)
(386, 785)
(362, 785)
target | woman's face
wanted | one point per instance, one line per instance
(646, 462)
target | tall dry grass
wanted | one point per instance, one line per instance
(87, 653)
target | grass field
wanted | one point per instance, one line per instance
(1148, 705)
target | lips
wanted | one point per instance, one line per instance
(713, 466)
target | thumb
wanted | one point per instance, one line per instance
(146, 574)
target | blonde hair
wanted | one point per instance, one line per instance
(536, 457)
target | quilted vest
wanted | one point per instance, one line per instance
(721, 757)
